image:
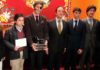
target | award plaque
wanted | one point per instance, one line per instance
(40, 44)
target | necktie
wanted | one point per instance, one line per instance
(75, 24)
(37, 19)
(59, 26)
(91, 23)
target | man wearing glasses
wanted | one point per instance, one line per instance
(36, 33)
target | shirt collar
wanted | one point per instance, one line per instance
(19, 28)
(36, 14)
(58, 19)
(75, 19)
(88, 19)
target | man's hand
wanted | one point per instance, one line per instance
(34, 46)
(46, 47)
(80, 51)
(46, 43)
(64, 50)
(16, 48)
(46, 50)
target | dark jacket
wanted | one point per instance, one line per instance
(90, 40)
(57, 42)
(10, 37)
(98, 35)
(76, 35)
(35, 30)
(2, 45)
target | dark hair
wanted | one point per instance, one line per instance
(57, 8)
(91, 7)
(38, 2)
(17, 16)
(77, 9)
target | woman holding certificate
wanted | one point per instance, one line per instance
(16, 42)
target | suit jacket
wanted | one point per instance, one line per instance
(76, 35)
(35, 30)
(90, 40)
(57, 42)
(98, 36)
(91, 33)
(9, 38)
(2, 45)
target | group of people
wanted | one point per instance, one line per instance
(77, 39)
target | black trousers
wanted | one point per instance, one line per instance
(87, 58)
(97, 58)
(36, 60)
(54, 61)
(72, 59)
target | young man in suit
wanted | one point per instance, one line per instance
(91, 37)
(76, 40)
(57, 30)
(36, 26)
(17, 54)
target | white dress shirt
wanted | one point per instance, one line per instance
(75, 22)
(90, 21)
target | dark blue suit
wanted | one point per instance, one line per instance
(75, 42)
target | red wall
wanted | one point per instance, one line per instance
(20, 7)
(49, 12)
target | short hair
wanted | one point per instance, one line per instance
(91, 7)
(58, 7)
(38, 2)
(77, 9)
(17, 16)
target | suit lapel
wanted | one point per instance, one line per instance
(79, 24)
(71, 24)
(33, 20)
(94, 23)
(55, 26)
(40, 19)
(63, 23)
(87, 24)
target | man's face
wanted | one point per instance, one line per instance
(91, 12)
(76, 14)
(60, 12)
(20, 21)
(38, 8)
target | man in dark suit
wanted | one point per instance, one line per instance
(90, 42)
(36, 26)
(76, 40)
(57, 30)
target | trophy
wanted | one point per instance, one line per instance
(40, 44)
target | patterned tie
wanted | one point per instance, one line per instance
(59, 26)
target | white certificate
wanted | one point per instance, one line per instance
(0, 65)
(21, 42)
